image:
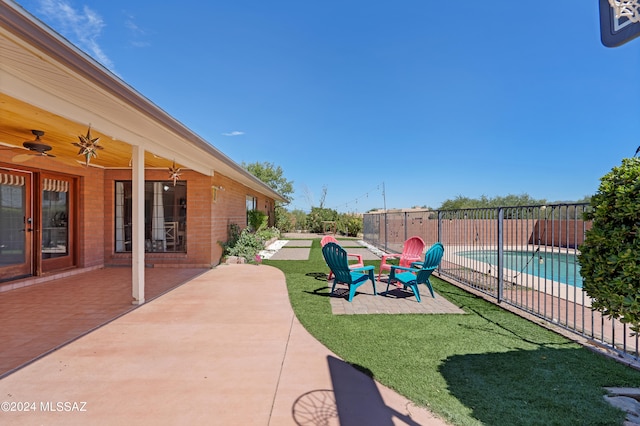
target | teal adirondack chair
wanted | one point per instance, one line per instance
(419, 273)
(336, 258)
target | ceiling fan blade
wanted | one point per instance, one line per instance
(21, 158)
(10, 146)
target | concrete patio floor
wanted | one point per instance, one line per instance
(223, 349)
(39, 318)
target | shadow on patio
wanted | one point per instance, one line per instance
(355, 400)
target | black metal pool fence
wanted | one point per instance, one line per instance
(524, 257)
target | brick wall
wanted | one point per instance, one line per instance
(208, 220)
(91, 206)
(230, 208)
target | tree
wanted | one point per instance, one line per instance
(288, 221)
(323, 196)
(317, 215)
(610, 255)
(510, 200)
(272, 175)
(296, 220)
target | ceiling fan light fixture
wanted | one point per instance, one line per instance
(37, 145)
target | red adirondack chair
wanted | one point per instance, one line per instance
(412, 251)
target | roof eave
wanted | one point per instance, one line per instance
(22, 25)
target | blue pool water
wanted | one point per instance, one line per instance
(561, 267)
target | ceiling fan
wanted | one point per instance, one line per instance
(37, 147)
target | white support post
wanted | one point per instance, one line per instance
(137, 247)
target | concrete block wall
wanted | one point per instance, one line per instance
(516, 232)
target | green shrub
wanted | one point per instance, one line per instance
(246, 243)
(610, 256)
(248, 246)
(284, 220)
(319, 215)
(268, 233)
(233, 235)
(299, 219)
(257, 219)
(350, 225)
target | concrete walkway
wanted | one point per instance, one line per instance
(223, 349)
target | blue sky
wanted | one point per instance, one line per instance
(431, 99)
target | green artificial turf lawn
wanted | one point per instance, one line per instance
(487, 366)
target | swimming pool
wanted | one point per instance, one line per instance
(561, 267)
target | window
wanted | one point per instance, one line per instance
(165, 212)
(252, 203)
(55, 218)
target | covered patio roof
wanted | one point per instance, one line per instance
(48, 84)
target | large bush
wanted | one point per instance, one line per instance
(317, 216)
(610, 255)
(350, 225)
(248, 246)
(257, 220)
(246, 243)
(284, 220)
(290, 221)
